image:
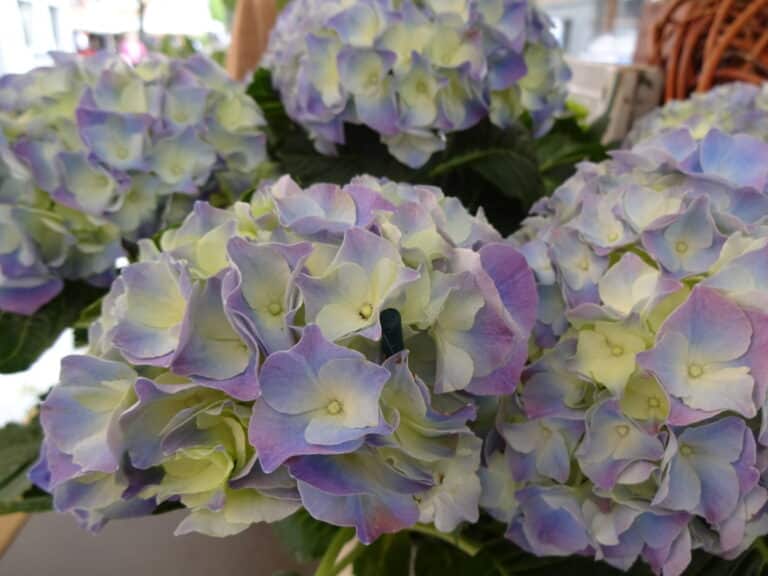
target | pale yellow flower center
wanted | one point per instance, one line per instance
(654, 402)
(617, 350)
(275, 308)
(695, 370)
(366, 311)
(122, 152)
(372, 81)
(681, 247)
(334, 407)
(584, 265)
(622, 430)
(686, 450)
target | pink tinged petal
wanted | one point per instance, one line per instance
(278, 437)
(210, 352)
(318, 208)
(370, 514)
(357, 490)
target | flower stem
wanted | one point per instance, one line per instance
(349, 558)
(327, 566)
(467, 546)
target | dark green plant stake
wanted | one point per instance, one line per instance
(391, 332)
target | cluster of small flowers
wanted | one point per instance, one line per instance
(251, 365)
(736, 108)
(414, 71)
(636, 430)
(91, 152)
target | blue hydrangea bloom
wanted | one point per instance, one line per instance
(415, 71)
(639, 430)
(95, 152)
(240, 366)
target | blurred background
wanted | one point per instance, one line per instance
(595, 30)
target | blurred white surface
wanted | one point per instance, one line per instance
(19, 392)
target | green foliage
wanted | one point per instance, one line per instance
(502, 171)
(24, 338)
(19, 448)
(390, 554)
(567, 144)
(499, 557)
(424, 552)
(306, 538)
(222, 10)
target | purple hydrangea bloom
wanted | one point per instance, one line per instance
(639, 430)
(94, 151)
(244, 368)
(415, 72)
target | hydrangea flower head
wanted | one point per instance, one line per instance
(635, 432)
(414, 71)
(94, 152)
(318, 348)
(734, 108)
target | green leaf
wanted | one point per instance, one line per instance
(564, 146)
(305, 537)
(500, 557)
(389, 555)
(24, 338)
(19, 449)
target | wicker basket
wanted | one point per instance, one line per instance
(700, 43)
